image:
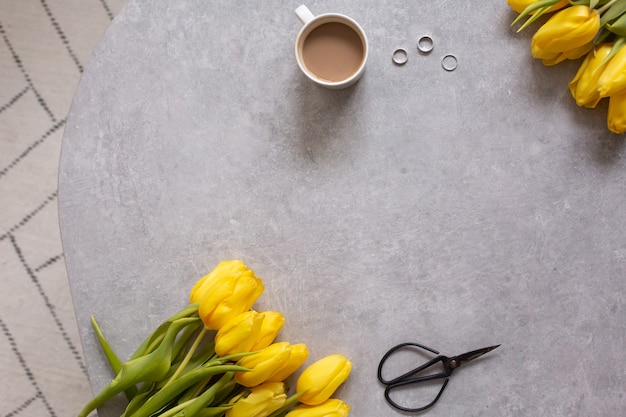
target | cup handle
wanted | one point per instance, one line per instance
(304, 14)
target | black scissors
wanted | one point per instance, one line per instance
(449, 365)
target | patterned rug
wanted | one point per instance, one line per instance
(44, 46)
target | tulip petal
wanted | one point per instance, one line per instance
(568, 29)
(613, 78)
(616, 117)
(320, 380)
(261, 401)
(263, 364)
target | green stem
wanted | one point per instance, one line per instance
(606, 6)
(538, 8)
(185, 361)
(139, 399)
(152, 341)
(183, 342)
(176, 409)
(534, 17)
(148, 368)
(207, 397)
(165, 395)
(199, 388)
(229, 390)
(211, 411)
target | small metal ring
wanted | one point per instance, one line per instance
(449, 62)
(425, 44)
(400, 56)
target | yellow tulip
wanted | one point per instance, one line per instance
(248, 332)
(238, 334)
(566, 30)
(329, 408)
(584, 85)
(234, 267)
(260, 402)
(550, 59)
(616, 119)
(298, 355)
(272, 323)
(263, 365)
(230, 289)
(613, 78)
(520, 5)
(320, 380)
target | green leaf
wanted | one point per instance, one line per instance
(614, 12)
(228, 391)
(152, 341)
(202, 356)
(206, 398)
(532, 18)
(619, 26)
(112, 358)
(138, 400)
(536, 10)
(182, 343)
(147, 368)
(213, 411)
(167, 394)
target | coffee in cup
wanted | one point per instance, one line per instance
(331, 49)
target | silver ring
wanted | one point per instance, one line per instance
(400, 56)
(425, 44)
(449, 62)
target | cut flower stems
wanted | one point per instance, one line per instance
(217, 357)
(591, 30)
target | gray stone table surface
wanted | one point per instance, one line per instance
(457, 209)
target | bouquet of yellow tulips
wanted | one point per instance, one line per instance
(595, 29)
(217, 357)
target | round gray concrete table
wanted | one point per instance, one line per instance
(455, 209)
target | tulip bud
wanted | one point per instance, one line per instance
(272, 323)
(262, 401)
(616, 118)
(263, 364)
(248, 332)
(584, 85)
(613, 79)
(329, 408)
(320, 380)
(230, 289)
(238, 334)
(566, 30)
(298, 355)
(223, 269)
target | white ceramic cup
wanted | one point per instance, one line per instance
(310, 23)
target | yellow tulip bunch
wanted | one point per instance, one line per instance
(218, 357)
(595, 29)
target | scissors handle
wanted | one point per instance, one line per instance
(391, 352)
(409, 377)
(391, 387)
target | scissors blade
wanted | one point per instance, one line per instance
(466, 357)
